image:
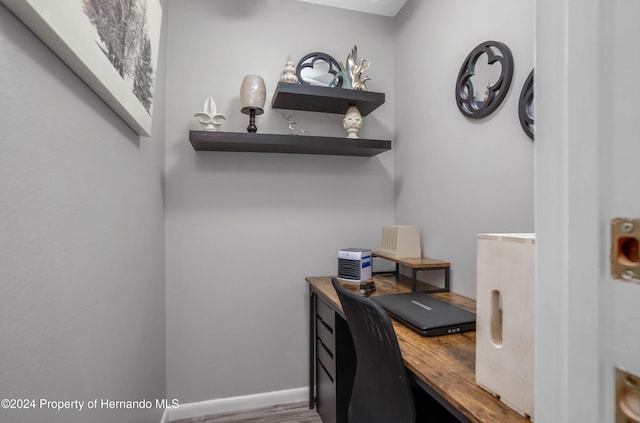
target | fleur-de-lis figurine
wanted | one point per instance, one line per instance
(209, 118)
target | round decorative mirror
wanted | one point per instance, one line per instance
(318, 69)
(525, 106)
(484, 79)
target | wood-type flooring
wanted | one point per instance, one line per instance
(286, 413)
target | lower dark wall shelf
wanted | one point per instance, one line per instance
(276, 143)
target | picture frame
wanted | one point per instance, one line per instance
(117, 60)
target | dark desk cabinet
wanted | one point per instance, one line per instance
(332, 361)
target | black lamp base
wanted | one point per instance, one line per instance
(252, 128)
(252, 112)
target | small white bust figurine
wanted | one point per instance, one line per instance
(352, 122)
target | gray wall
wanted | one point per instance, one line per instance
(244, 229)
(456, 177)
(82, 251)
(82, 245)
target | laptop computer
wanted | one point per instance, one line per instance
(426, 314)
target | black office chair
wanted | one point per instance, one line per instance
(381, 391)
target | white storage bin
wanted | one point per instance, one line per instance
(504, 318)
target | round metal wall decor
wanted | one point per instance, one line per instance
(525, 106)
(479, 101)
(318, 69)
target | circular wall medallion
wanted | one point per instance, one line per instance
(318, 69)
(474, 98)
(525, 106)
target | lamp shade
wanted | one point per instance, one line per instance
(253, 94)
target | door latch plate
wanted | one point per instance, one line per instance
(627, 397)
(625, 249)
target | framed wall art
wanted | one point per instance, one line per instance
(111, 45)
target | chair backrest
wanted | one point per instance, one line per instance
(381, 390)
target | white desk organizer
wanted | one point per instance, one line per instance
(401, 241)
(504, 318)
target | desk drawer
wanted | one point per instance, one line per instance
(327, 401)
(326, 358)
(326, 313)
(325, 334)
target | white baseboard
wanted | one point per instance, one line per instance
(223, 405)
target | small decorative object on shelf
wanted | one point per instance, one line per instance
(289, 72)
(351, 74)
(352, 122)
(253, 94)
(209, 118)
(294, 128)
(319, 69)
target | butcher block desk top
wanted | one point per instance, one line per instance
(445, 364)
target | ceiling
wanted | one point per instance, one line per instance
(378, 7)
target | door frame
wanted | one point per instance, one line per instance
(569, 221)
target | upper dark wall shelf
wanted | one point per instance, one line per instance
(275, 143)
(314, 98)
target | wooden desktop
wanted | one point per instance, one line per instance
(444, 366)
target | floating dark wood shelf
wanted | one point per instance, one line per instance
(275, 143)
(314, 98)
(309, 98)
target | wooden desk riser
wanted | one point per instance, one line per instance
(417, 264)
(442, 364)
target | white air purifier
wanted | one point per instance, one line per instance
(354, 264)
